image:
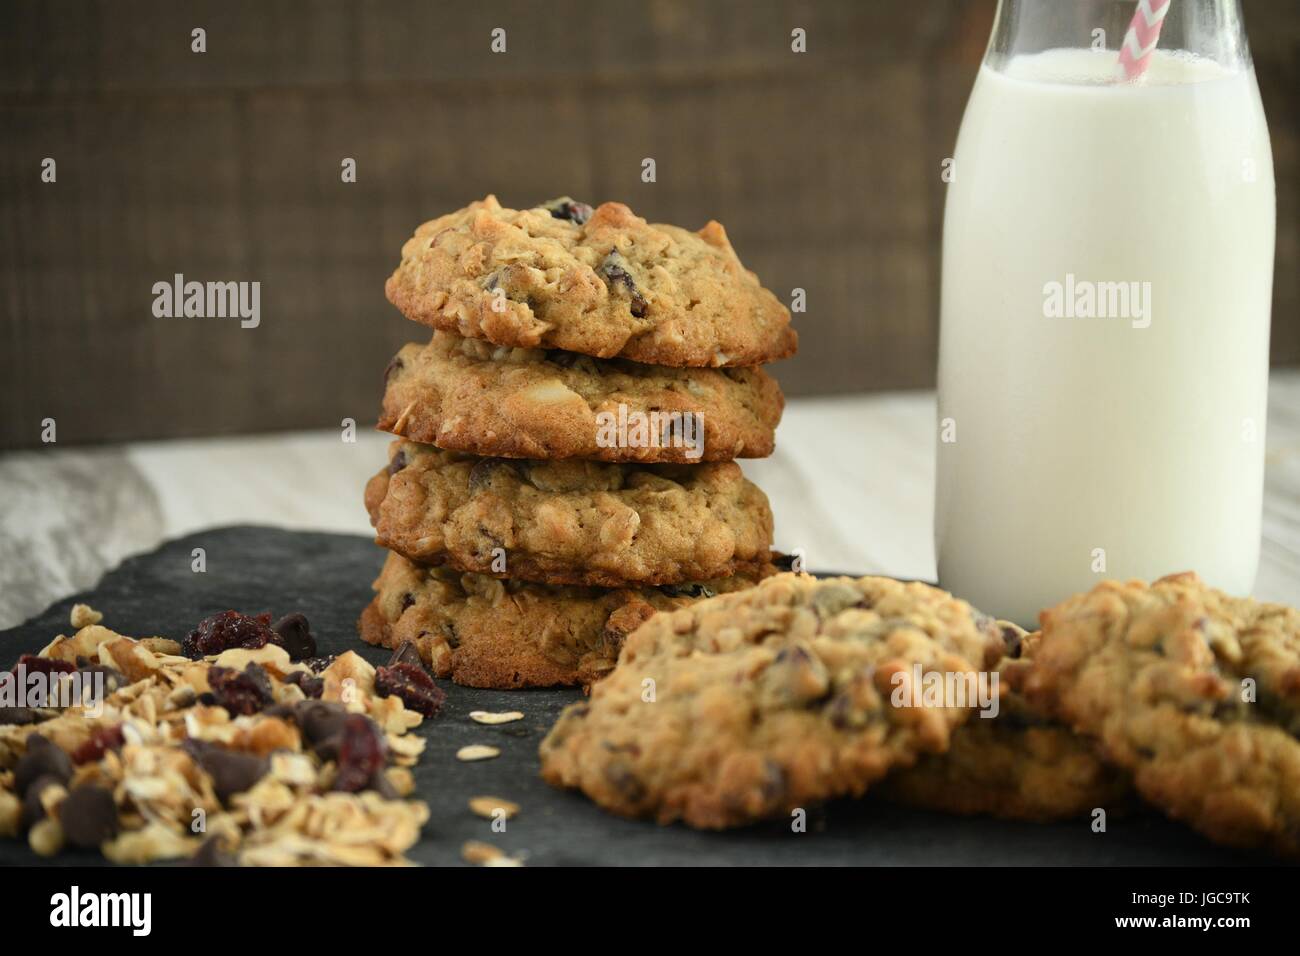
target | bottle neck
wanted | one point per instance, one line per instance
(1212, 29)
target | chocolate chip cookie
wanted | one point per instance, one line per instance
(569, 522)
(467, 395)
(603, 282)
(485, 632)
(1195, 692)
(1019, 765)
(755, 704)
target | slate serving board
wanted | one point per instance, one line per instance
(327, 577)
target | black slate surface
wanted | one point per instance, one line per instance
(327, 577)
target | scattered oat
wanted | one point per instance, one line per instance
(487, 807)
(164, 744)
(83, 615)
(485, 854)
(490, 717)
(477, 752)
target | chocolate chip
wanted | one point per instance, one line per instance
(319, 720)
(296, 634)
(33, 811)
(310, 686)
(406, 653)
(1011, 641)
(211, 853)
(88, 816)
(318, 664)
(408, 599)
(397, 463)
(231, 771)
(394, 364)
(570, 209)
(42, 759)
(617, 271)
(20, 716)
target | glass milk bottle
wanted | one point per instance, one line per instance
(1107, 276)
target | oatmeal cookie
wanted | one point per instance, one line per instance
(467, 395)
(1019, 765)
(1195, 692)
(751, 705)
(569, 522)
(484, 632)
(603, 282)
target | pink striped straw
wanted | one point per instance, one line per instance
(1140, 40)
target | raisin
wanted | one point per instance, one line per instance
(362, 753)
(397, 463)
(687, 590)
(394, 364)
(616, 272)
(33, 664)
(570, 209)
(101, 740)
(412, 684)
(296, 636)
(240, 692)
(229, 629)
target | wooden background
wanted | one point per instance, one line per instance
(225, 166)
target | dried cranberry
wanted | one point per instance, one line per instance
(362, 753)
(570, 209)
(220, 632)
(240, 692)
(616, 272)
(102, 740)
(413, 685)
(33, 664)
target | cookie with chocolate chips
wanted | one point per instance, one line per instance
(569, 522)
(752, 705)
(1194, 692)
(485, 632)
(469, 395)
(601, 281)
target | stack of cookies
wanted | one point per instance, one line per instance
(564, 463)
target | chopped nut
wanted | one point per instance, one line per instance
(477, 752)
(83, 615)
(46, 837)
(490, 717)
(161, 645)
(489, 807)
